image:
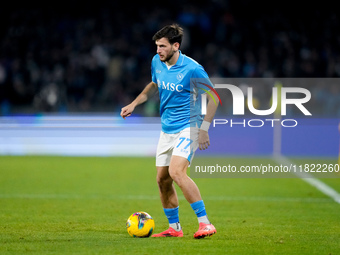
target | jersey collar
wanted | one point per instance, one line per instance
(179, 61)
(180, 58)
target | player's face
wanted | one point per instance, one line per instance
(165, 49)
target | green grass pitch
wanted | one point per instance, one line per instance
(79, 205)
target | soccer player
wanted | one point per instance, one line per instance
(172, 72)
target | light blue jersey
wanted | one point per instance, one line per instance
(175, 93)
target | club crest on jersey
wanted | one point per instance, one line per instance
(170, 86)
(180, 76)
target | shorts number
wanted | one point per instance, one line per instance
(184, 139)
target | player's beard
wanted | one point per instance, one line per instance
(169, 56)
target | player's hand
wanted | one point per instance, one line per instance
(127, 110)
(203, 139)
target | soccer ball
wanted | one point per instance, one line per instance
(140, 224)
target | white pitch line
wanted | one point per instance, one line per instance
(155, 197)
(307, 177)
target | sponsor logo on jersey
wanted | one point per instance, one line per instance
(170, 86)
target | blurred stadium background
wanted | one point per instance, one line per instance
(67, 68)
(72, 66)
(78, 56)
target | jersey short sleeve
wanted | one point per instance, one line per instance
(199, 75)
(199, 72)
(200, 84)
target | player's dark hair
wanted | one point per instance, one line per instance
(174, 33)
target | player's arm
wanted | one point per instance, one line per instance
(203, 136)
(149, 90)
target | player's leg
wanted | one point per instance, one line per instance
(178, 172)
(169, 201)
(182, 155)
(166, 187)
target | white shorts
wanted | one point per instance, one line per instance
(179, 144)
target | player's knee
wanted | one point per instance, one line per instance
(177, 176)
(163, 180)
